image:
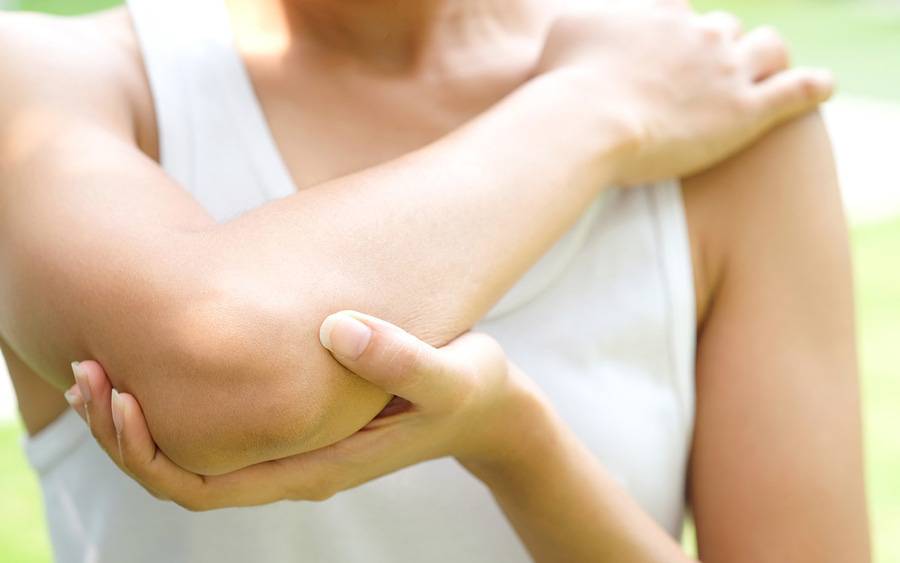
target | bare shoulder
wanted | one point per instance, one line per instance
(777, 200)
(65, 69)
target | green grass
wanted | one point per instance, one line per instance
(23, 535)
(66, 7)
(876, 247)
(878, 297)
(876, 250)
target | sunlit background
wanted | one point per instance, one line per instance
(860, 41)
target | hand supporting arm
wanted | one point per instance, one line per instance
(179, 309)
(464, 400)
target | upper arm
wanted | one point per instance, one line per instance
(776, 468)
(103, 257)
(93, 237)
(85, 217)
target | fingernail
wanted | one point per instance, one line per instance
(81, 380)
(73, 396)
(325, 331)
(116, 407)
(344, 335)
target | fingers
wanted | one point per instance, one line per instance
(764, 53)
(139, 455)
(391, 358)
(793, 92)
(95, 391)
(150, 467)
(76, 401)
(780, 92)
(316, 475)
(117, 422)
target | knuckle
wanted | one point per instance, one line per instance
(192, 505)
(404, 360)
(184, 503)
(712, 34)
(191, 502)
(321, 495)
(318, 489)
(807, 88)
(773, 41)
(780, 53)
(413, 359)
(156, 494)
(126, 461)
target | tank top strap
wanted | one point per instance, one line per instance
(203, 96)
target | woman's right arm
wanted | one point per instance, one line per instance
(214, 326)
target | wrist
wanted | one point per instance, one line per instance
(523, 431)
(605, 126)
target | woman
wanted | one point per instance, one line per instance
(450, 146)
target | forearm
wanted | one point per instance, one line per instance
(432, 239)
(562, 502)
(135, 275)
(429, 241)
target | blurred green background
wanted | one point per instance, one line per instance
(860, 41)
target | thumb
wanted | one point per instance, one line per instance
(393, 359)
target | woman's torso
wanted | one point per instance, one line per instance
(605, 323)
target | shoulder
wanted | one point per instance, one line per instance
(776, 200)
(69, 69)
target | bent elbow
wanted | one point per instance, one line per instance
(236, 379)
(246, 388)
(235, 425)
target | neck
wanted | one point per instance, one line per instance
(393, 35)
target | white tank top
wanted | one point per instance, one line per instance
(604, 323)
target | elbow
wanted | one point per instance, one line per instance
(240, 385)
(258, 416)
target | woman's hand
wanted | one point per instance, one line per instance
(463, 400)
(687, 89)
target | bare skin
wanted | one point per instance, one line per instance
(135, 274)
(749, 253)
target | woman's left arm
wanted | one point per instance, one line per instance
(776, 472)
